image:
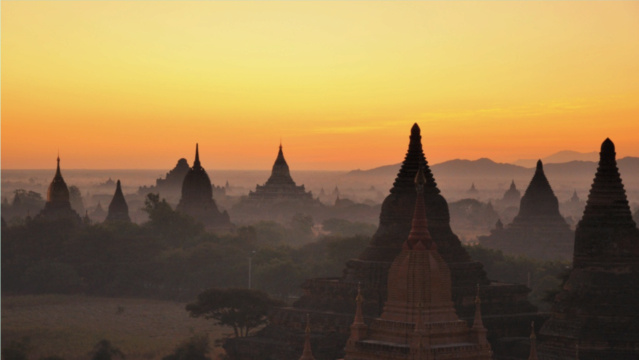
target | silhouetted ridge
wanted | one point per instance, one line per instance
(118, 209)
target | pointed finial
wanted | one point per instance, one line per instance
(533, 343)
(540, 166)
(307, 354)
(532, 330)
(58, 174)
(196, 163)
(478, 322)
(280, 143)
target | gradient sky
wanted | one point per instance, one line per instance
(135, 84)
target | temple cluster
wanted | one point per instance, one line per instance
(415, 293)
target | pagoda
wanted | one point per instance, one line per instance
(280, 185)
(512, 196)
(118, 209)
(538, 230)
(330, 300)
(597, 310)
(419, 320)
(197, 198)
(58, 205)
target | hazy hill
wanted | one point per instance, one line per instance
(561, 157)
(455, 177)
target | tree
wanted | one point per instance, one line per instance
(195, 348)
(105, 351)
(241, 309)
(173, 227)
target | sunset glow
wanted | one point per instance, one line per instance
(135, 84)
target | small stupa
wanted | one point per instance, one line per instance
(118, 209)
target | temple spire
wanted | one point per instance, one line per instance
(307, 354)
(58, 174)
(419, 237)
(358, 327)
(196, 163)
(533, 343)
(118, 208)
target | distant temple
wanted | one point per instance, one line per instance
(98, 214)
(175, 177)
(197, 198)
(58, 205)
(419, 319)
(512, 196)
(280, 184)
(473, 190)
(330, 301)
(597, 312)
(118, 209)
(538, 230)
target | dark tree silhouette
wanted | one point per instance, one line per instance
(104, 350)
(241, 309)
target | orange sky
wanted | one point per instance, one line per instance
(134, 84)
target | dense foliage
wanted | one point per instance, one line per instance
(170, 256)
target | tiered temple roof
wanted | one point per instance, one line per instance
(118, 209)
(330, 300)
(280, 184)
(418, 320)
(597, 310)
(197, 198)
(58, 205)
(538, 230)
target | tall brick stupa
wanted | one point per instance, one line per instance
(597, 311)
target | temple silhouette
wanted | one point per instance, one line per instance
(330, 301)
(511, 197)
(58, 205)
(538, 230)
(596, 314)
(118, 209)
(419, 320)
(197, 198)
(280, 185)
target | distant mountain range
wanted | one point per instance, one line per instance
(474, 170)
(560, 157)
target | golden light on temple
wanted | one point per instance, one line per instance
(136, 84)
